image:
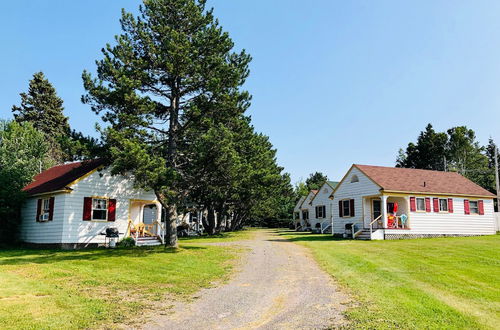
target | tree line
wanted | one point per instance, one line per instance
(453, 150)
(169, 91)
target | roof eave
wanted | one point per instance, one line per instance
(433, 193)
(59, 191)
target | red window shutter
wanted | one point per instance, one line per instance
(450, 205)
(351, 202)
(435, 201)
(38, 209)
(413, 204)
(341, 210)
(111, 209)
(51, 208)
(87, 208)
(466, 206)
(480, 205)
(427, 204)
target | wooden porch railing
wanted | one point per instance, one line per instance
(371, 223)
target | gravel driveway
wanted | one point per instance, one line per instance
(277, 286)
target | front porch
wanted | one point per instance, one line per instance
(381, 213)
(144, 223)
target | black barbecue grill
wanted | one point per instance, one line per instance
(112, 232)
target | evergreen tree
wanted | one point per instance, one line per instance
(315, 180)
(430, 152)
(167, 69)
(454, 150)
(41, 107)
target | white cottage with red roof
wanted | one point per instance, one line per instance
(375, 202)
(73, 204)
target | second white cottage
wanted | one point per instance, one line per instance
(375, 202)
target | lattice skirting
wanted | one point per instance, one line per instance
(412, 236)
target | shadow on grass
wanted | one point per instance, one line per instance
(19, 256)
(294, 236)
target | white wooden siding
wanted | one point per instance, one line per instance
(356, 191)
(42, 232)
(322, 198)
(307, 206)
(451, 223)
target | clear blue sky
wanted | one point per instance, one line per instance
(333, 82)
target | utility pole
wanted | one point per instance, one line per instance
(496, 178)
(445, 165)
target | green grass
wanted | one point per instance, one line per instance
(223, 237)
(50, 289)
(446, 283)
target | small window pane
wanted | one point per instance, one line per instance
(46, 205)
(443, 205)
(420, 204)
(99, 215)
(474, 207)
(99, 209)
(346, 207)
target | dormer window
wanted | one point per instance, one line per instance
(354, 178)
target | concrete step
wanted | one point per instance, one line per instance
(147, 241)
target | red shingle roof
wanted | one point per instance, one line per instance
(58, 177)
(424, 181)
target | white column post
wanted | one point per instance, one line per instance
(331, 209)
(384, 210)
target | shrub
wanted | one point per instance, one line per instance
(127, 242)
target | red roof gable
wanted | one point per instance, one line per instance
(58, 177)
(423, 181)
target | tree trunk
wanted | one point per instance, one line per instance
(204, 221)
(211, 221)
(171, 226)
(173, 132)
(170, 221)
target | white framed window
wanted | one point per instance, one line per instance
(420, 204)
(45, 210)
(443, 205)
(320, 211)
(99, 209)
(354, 178)
(346, 208)
(474, 207)
(305, 215)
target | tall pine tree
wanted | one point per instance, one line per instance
(156, 81)
(41, 107)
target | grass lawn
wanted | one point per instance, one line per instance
(445, 283)
(245, 234)
(49, 289)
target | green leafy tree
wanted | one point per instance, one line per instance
(467, 157)
(300, 190)
(23, 154)
(315, 180)
(166, 70)
(41, 107)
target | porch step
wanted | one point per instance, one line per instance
(147, 241)
(364, 235)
